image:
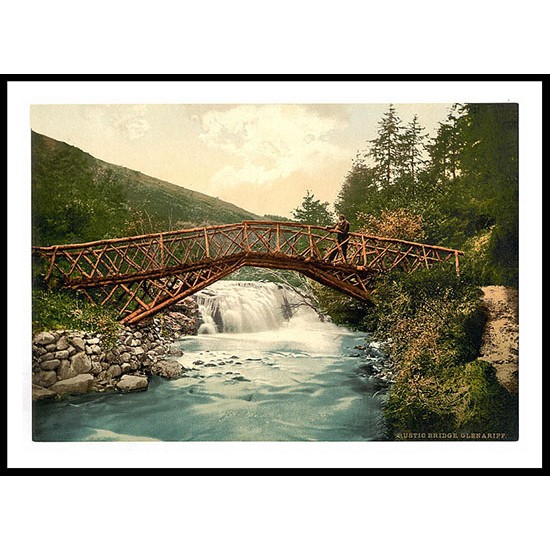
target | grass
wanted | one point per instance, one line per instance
(64, 310)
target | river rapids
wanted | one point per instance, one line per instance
(263, 367)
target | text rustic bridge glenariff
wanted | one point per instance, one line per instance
(142, 275)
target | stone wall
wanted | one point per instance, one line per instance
(71, 362)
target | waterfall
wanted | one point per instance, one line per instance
(247, 306)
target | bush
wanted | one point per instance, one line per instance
(395, 224)
(433, 323)
(462, 399)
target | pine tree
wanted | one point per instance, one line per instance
(489, 166)
(313, 212)
(445, 149)
(387, 149)
(412, 148)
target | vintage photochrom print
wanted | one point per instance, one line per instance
(286, 272)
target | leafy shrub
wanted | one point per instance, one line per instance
(396, 224)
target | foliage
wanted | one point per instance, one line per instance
(387, 149)
(312, 211)
(63, 309)
(395, 224)
(462, 183)
(462, 399)
(359, 192)
(344, 310)
(430, 313)
(412, 151)
(445, 149)
(72, 200)
(433, 323)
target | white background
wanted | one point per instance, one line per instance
(267, 512)
(524, 453)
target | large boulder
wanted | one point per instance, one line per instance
(52, 364)
(44, 378)
(41, 393)
(114, 371)
(167, 369)
(62, 343)
(81, 383)
(65, 371)
(132, 383)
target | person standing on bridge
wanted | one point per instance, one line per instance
(342, 237)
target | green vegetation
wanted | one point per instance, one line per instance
(78, 198)
(462, 184)
(458, 189)
(313, 212)
(64, 309)
(433, 323)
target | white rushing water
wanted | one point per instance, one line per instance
(254, 372)
(246, 306)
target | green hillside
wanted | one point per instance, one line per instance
(77, 198)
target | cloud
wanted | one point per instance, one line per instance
(132, 121)
(129, 122)
(265, 143)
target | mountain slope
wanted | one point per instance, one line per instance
(77, 197)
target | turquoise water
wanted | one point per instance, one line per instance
(300, 381)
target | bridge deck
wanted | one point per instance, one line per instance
(142, 275)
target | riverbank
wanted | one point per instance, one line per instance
(447, 339)
(74, 362)
(500, 345)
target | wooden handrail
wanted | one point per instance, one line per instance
(244, 223)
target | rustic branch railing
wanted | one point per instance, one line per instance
(144, 274)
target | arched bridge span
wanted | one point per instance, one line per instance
(142, 275)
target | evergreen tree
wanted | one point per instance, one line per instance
(313, 212)
(412, 146)
(445, 149)
(359, 192)
(387, 149)
(489, 166)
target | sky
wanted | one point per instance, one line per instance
(261, 157)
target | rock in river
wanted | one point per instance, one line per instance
(132, 383)
(78, 384)
(167, 369)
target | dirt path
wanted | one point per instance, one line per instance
(501, 338)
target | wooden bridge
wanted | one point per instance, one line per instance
(142, 275)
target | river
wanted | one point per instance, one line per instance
(254, 374)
